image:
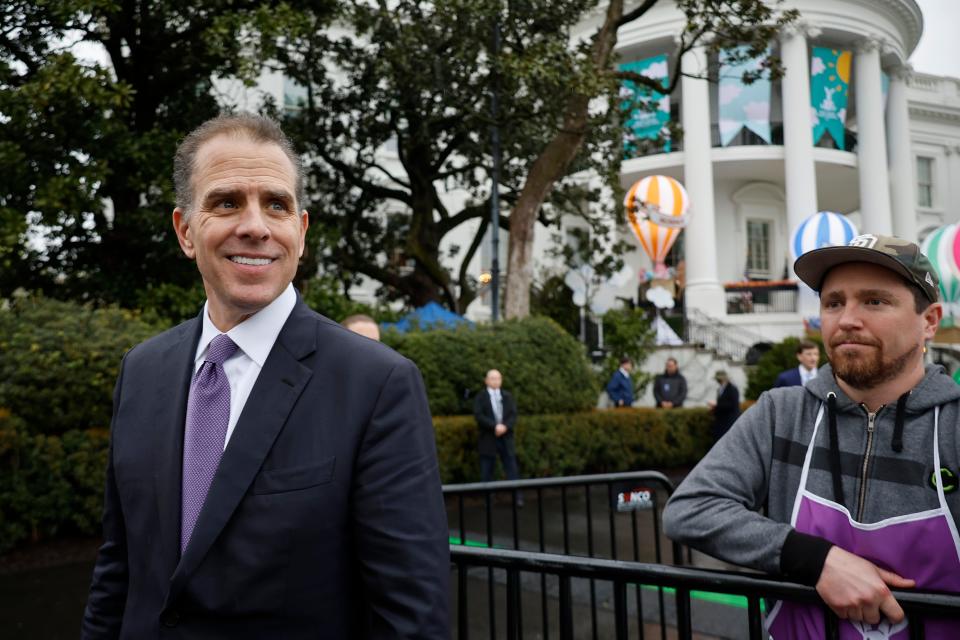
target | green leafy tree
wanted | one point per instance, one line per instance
(396, 113)
(576, 77)
(554, 299)
(86, 148)
(627, 332)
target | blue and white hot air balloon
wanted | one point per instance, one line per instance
(824, 229)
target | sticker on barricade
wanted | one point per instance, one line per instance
(638, 499)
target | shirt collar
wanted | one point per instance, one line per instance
(255, 335)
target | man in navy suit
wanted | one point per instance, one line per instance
(620, 387)
(808, 355)
(322, 515)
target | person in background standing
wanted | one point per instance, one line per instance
(620, 387)
(496, 415)
(670, 387)
(808, 355)
(364, 325)
(726, 408)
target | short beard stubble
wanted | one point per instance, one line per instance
(869, 372)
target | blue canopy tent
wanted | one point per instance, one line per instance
(429, 316)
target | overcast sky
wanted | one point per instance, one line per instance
(938, 52)
(939, 48)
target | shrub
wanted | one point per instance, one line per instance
(543, 367)
(49, 485)
(780, 357)
(53, 485)
(325, 295)
(585, 442)
(59, 361)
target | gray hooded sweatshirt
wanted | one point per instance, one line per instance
(756, 467)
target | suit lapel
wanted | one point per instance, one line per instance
(280, 383)
(173, 386)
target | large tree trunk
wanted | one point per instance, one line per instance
(549, 167)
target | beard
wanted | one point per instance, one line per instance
(866, 371)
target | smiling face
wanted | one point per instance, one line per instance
(243, 228)
(871, 329)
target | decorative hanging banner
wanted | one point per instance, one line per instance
(649, 110)
(829, 82)
(743, 105)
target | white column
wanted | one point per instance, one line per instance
(871, 141)
(949, 188)
(799, 169)
(902, 184)
(703, 290)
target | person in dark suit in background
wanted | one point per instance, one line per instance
(726, 408)
(670, 387)
(808, 355)
(271, 474)
(620, 387)
(496, 415)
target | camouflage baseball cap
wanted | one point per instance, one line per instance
(900, 256)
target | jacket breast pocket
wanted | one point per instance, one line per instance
(294, 478)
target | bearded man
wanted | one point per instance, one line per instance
(857, 469)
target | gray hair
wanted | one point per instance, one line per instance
(255, 127)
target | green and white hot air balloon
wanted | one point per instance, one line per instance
(942, 247)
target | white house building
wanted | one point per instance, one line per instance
(895, 169)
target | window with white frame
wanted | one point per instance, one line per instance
(758, 248)
(924, 181)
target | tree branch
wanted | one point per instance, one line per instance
(636, 13)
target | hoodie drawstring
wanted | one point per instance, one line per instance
(835, 469)
(897, 443)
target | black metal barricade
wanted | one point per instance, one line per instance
(583, 557)
(620, 577)
(612, 516)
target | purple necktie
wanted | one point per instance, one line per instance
(208, 412)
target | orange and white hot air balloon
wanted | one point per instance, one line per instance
(657, 210)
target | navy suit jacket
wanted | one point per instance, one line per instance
(619, 388)
(325, 518)
(789, 378)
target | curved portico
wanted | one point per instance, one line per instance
(870, 178)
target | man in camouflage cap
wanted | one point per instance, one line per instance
(858, 469)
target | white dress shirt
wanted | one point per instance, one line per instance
(806, 376)
(497, 403)
(255, 337)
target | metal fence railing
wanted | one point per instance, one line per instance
(761, 297)
(516, 574)
(609, 516)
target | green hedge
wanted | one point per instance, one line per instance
(59, 361)
(544, 368)
(49, 485)
(53, 485)
(578, 443)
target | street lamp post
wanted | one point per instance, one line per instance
(495, 176)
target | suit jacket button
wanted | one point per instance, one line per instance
(170, 618)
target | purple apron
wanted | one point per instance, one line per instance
(923, 546)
